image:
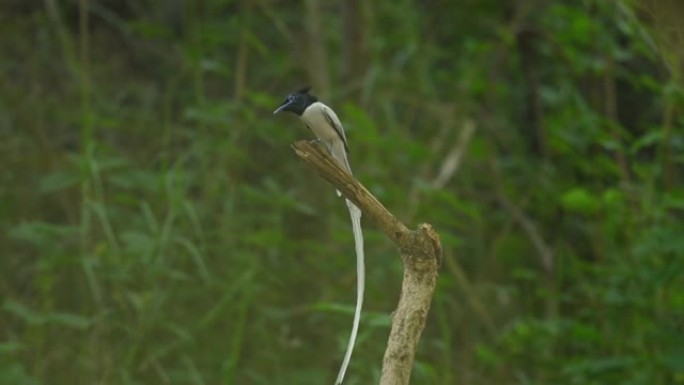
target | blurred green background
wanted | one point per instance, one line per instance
(156, 227)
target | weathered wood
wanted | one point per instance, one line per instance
(421, 253)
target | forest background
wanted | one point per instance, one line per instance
(156, 227)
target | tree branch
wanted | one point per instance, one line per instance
(421, 252)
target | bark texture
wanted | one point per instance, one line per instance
(421, 253)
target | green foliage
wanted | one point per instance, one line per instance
(155, 226)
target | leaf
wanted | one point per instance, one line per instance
(580, 201)
(595, 366)
(11, 347)
(23, 312)
(488, 355)
(58, 181)
(651, 138)
(41, 233)
(70, 320)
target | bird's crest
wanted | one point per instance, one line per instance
(304, 90)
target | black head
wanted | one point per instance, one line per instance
(297, 102)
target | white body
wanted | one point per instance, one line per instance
(325, 124)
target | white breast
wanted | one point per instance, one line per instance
(325, 124)
(316, 120)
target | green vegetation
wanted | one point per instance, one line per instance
(156, 227)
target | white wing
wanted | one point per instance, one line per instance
(335, 122)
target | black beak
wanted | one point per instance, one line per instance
(282, 107)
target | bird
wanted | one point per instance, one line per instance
(326, 126)
(321, 120)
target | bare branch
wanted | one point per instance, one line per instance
(421, 252)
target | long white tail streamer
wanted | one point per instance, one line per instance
(355, 215)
